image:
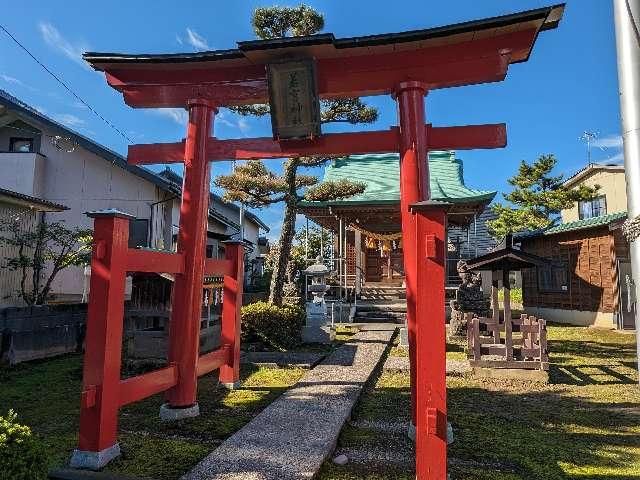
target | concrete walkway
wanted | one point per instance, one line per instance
(291, 438)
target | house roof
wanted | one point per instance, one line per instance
(25, 111)
(506, 259)
(39, 204)
(381, 174)
(590, 169)
(587, 223)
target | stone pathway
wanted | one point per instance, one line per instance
(291, 438)
(401, 364)
(281, 359)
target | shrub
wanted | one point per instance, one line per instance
(515, 295)
(22, 457)
(278, 327)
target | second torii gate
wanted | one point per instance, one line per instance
(405, 65)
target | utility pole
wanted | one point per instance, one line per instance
(627, 18)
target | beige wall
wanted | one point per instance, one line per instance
(612, 185)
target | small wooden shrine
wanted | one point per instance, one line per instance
(491, 341)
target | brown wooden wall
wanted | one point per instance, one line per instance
(591, 259)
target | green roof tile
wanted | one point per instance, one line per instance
(381, 174)
(593, 222)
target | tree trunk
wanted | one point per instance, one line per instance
(286, 234)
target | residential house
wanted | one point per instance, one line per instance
(589, 279)
(46, 161)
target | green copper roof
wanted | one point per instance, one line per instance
(593, 222)
(381, 174)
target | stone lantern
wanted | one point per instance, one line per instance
(317, 329)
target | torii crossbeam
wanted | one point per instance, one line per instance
(405, 65)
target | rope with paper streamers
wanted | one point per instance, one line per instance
(631, 229)
(377, 236)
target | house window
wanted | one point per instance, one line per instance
(22, 145)
(139, 233)
(209, 253)
(553, 278)
(593, 208)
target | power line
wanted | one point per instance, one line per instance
(66, 87)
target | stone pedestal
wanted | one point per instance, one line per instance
(318, 334)
(317, 329)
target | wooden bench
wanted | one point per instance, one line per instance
(521, 343)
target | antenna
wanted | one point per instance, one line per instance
(588, 138)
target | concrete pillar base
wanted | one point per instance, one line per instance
(231, 386)
(404, 337)
(94, 460)
(171, 414)
(411, 432)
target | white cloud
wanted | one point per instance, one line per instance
(69, 120)
(196, 41)
(178, 115)
(611, 141)
(80, 105)
(243, 125)
(9, 79)
(54, 39)
(40, 109)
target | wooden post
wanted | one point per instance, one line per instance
(508, 331)
(99, 401)
(431, 389)
(495, 305)
(184, 327)
(231, 304)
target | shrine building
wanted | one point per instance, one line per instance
(371, 220)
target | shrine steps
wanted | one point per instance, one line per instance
(382, 292)
(381, 312)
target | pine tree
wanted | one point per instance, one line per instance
(537, 199)
(254, 185)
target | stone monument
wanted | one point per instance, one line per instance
(318, 328)
(469, 299)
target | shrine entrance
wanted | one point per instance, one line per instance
(292, 75)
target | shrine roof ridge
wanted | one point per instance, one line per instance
(547, 18)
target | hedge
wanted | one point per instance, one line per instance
(22, 457)
(278, 327)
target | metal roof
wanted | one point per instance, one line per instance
(587, 223)
(381, 174)
(28, 201)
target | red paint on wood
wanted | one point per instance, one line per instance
(217, 267)
(150, 261)
(477, 61)
(430, 246)
(184, 328)
(414, 186)
(213, 360)
(431, 392)
(231, 303)
(101, 371)
(467, 137)
(143, 386)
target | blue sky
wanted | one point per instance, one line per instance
(569, 84)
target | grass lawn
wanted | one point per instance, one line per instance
(46, 396)
(584, 425)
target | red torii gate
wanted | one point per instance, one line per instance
(406, 65)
